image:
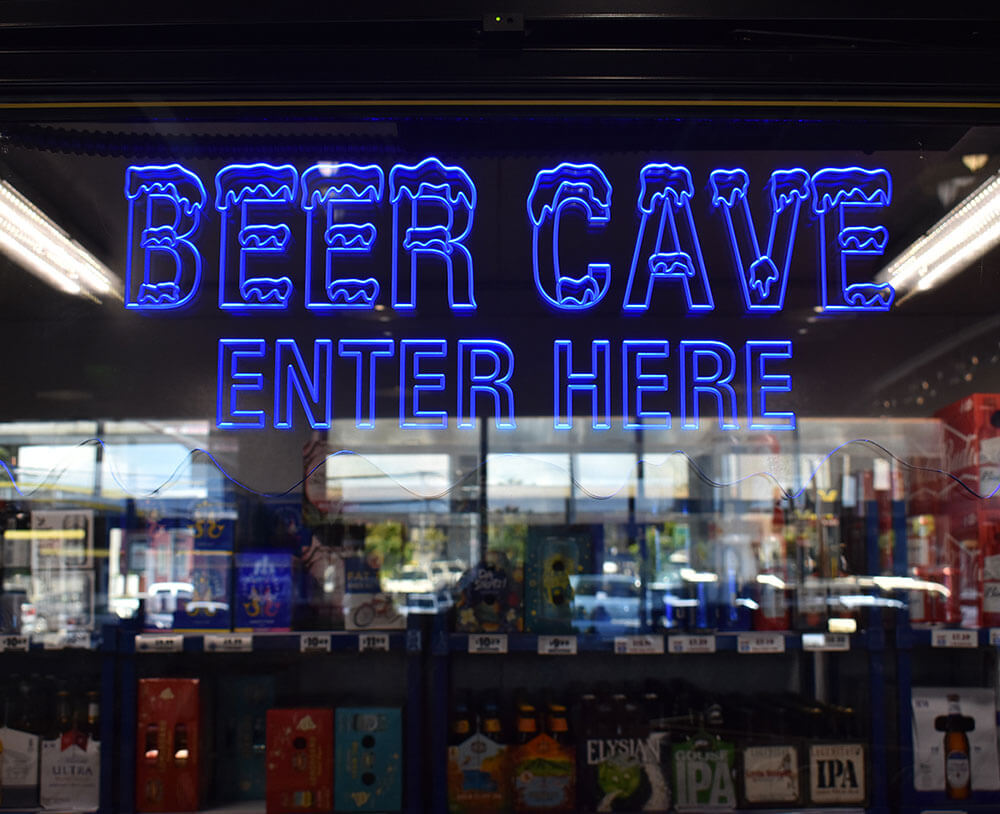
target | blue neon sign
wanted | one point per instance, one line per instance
(421, 216)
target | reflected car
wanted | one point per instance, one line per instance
(446, 573)
(427, 603)
(412, 579)
(606, 603)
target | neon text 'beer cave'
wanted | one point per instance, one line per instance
(342, 210)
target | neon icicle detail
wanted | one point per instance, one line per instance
(164, 249)
(327, 187)
(244, 191)
(838, 192)
(554, 194)
(423, 188)
(762, 274)
(667, 248)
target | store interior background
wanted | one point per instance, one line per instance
(665, 531)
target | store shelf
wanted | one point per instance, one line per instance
(39, 642)
(750, 642)
(947, 638)
(305, 642)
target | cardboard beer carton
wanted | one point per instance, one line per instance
(703, 768)
(263, 591)
(369, 759)
(71, 773)
(170, 766)
(19, 768)
(490, 597)
(544, 773)
(972, 543)
(299, 760)
(240, 735)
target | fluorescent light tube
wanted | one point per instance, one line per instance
(956, 241)
(33, 241)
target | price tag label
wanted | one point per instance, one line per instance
(314, 643)
(639, 645)
(78, 638)
(760, 643)
(52, 641)
(159, 643)
(954, 638)
(373, 641)
(995, 636)
(557, 645)
(826, 642)
(228, 642)
(691, 644)
(14, 644)
(488, 643)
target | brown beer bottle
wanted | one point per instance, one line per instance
(957, 767)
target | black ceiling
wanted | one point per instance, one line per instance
(53, 50)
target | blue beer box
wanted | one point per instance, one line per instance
(263, 591)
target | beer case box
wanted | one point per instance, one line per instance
(930, 757)
(490, 597)
(971, 545)
(770, 776)
(70, 778)
(208, 608)
(369, 759)
(263, 591)
(240, 735)
(478, 776)
(620, 773)
(544, 773)
(972, 438)
(838, 774)
(18, 769)
(973, 563)
(170, 762)
(703, 772)
(299, 771)
(552, 556)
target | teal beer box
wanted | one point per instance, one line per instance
(368, 766)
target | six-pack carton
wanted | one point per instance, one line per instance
(299, 760)
(369, 749)
(169, 758)
(240, 735)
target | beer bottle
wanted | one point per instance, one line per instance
(957, 768)
(63, 714)
(491, 726)
(527, 722)
(558, 725)
(461, 723)
(93, 715)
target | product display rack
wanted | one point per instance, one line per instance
(431, 659)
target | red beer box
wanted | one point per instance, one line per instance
(299, 760)
(972, 454)
(169, 760)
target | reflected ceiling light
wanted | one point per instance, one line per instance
(690, 575)
(974, 162)
(960, 238)
(33, 241)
